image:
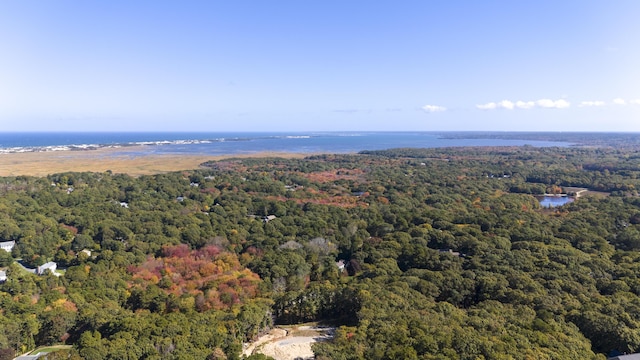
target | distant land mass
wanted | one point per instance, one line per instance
(576, 138)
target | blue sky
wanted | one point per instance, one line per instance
(319, 65)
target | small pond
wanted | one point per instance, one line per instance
(554, 201)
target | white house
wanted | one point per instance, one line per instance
(51, 266)
(7, 245)
(268, 218)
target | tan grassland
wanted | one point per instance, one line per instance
(118, 160)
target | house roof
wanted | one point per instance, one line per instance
(29, 357)
(626, 357)
(47, 265)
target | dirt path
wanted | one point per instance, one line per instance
(289, 343)
(43, 349)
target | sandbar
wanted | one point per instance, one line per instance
(134, 161)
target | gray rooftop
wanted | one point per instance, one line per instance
(626, 357)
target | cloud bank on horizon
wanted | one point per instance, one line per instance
(542, 103)
(510, 105)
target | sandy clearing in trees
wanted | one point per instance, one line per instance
(289, 343)
(273, 335)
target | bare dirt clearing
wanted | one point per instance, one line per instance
(289, 343)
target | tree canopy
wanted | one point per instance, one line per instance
(411, 253)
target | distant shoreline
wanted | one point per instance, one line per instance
(132, 160)
(40, 154)
(124, 145)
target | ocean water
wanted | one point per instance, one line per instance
(242, 142)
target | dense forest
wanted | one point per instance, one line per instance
(411, 253)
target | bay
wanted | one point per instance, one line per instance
(243, 142)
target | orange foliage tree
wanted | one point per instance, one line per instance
(215, 278)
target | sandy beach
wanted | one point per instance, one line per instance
(118, 160)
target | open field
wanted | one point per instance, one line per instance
(117, 160)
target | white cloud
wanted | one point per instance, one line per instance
(553, 104)
(591, 103)
(636, 101)
(433, 108)
(619, 101)
(506, 104)
(525, 104)
(488, 106)
(510, 105)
